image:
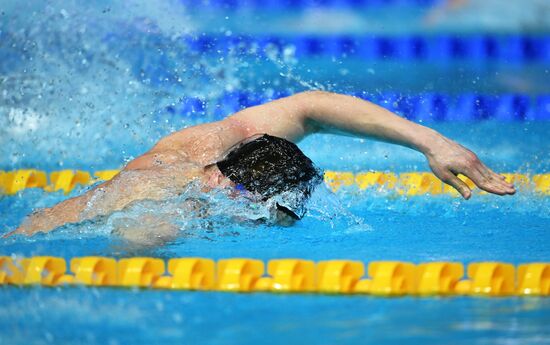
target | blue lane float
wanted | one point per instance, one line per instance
(473, 48)
(426, 107)
(236, 5)
(159, 66)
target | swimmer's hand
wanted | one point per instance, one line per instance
(48, 219)
(447, 159)
(30, 226)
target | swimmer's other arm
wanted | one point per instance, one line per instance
(102, 200)
(317, 111)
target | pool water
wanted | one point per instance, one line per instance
(216, 318)
(90, 87)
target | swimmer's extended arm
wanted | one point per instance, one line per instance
(296, 116)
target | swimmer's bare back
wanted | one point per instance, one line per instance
(188, 155)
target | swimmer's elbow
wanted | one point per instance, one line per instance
(312, 97)
(308, 102)
(314, 94)
(310, 108)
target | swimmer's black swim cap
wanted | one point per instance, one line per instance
(274, 168)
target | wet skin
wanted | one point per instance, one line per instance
(190, 154)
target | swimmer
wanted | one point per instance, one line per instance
(253, 151)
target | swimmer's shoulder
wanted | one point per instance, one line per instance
(202, 145)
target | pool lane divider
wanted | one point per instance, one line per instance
(477, 49)
(382, 278)
(423, 107)
(12, 182)
(407, 183)
(297, 5)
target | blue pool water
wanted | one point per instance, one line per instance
(217, 318)
(91, 87)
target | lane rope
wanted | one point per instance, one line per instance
(442, 48)
(423, 107)
(407, 183)
(297, 5)
(382, 278)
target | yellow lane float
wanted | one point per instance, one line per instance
(406, 183)
(385, 278)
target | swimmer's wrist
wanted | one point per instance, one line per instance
(428, 140)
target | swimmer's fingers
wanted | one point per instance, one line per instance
(449, 159)
(489, 181)
(471, 166)
(461, 187)
(446, 173)
(499, 178)
(9, 234)
(18, 231)
(28, 227)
